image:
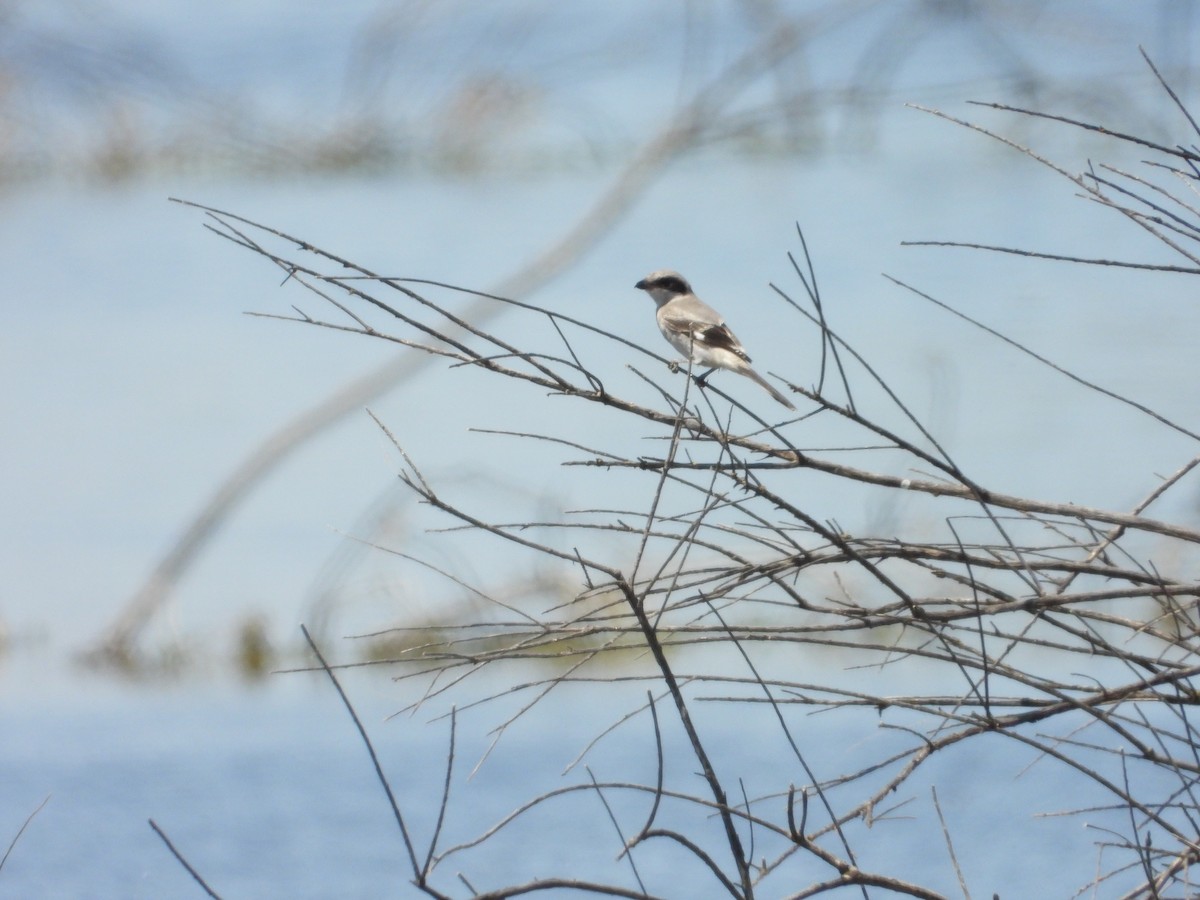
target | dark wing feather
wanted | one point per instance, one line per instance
(717, 336)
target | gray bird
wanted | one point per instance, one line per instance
(697, 330)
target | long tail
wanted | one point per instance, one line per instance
(770, 389)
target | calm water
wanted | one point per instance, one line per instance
(269, 793)
(135, 384)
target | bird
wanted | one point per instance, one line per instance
(698, 331)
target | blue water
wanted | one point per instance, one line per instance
(135, 385)
(268, 792)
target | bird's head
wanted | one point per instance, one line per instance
(664, 285)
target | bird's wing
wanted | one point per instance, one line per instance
(717, 336)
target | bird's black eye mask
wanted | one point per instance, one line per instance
(672, 284)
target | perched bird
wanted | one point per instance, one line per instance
(697, 330)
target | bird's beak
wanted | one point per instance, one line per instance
(641, 285)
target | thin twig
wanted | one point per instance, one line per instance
(20, 831)
(418, 870)
(183, 862)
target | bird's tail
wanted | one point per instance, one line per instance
(770, 388)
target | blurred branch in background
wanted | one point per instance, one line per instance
(687, 129)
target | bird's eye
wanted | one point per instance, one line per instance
(674, 285)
